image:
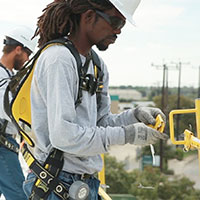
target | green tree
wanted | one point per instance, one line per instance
(149, 184)
(116, 176)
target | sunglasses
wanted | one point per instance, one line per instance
(114, 21)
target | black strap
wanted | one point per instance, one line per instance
(96, 61)
(3, 126)
(4, 80)
(1, 65)
(82, 71)
(4, 141)
(48, 182)
(7, 144)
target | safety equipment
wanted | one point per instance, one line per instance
(148, 115)
(23, 35)
(126, 8)
(141, 134)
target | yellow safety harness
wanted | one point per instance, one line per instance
(19, 110)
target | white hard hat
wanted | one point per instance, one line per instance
(126, 7)
(23, 35)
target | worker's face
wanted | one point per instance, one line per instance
(107, 27)
(20, 58)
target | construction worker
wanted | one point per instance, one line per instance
(84, 131)
(16, 51)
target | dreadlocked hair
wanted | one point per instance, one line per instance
(62, 17)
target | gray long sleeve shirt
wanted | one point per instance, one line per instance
(81, 133)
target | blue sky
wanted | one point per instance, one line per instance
(166, 31)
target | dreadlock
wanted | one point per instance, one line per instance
(62, 17)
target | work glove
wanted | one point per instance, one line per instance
(141, 134)
(147, 115)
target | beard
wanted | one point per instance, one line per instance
(102, 46)
(18, 62)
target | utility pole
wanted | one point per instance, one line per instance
(179, 67)
(164, 101)
(178, 99)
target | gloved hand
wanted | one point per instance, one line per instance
(147, 115)
(141, 134)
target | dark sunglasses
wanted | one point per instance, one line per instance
(114, 21)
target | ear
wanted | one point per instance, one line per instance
(89, 16)
(18, 50)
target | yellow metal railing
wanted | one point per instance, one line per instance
(101, 176)
(190, 141)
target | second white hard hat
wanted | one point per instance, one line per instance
(126, 7)
(23, 35)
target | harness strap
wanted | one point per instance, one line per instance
(82, 71)
(1, 65)
(5, 143)
(89, 82)
(46, 182)
(4, 80)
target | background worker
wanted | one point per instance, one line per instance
(88, 130)
(16, 51)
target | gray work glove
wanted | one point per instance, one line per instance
(141, 134)
(147, 115)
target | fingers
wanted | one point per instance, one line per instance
(159, 135)
(150, 120)
(147, 118)
(148, 115)
(157, 111)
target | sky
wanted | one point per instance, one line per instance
(167, 32)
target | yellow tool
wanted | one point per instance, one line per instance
(160, 124)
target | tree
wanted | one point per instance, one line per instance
(116, 176)
(162, 187)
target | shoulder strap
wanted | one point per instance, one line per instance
(95, 59)
(1, 65)
(99, 76)
(3, 128)
(4, 80)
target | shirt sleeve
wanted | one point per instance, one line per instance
(105, 117)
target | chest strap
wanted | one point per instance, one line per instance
(93, 83)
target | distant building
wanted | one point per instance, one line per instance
(143, 103)
(114, 104)
(126, 94)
